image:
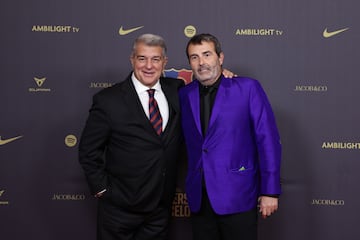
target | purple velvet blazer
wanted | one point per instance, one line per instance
(240, 155)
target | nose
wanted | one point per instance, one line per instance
(148, 63)
(201, 61)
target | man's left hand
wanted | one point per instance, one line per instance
(267, 205)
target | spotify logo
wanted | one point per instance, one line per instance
(70, 140)
(190, 31)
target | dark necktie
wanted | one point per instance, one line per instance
(154, 112)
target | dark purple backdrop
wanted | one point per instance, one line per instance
(56, 54)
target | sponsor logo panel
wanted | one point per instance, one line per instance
(311, 88)
(261, 32)
(100, 84)
(329, 34)
(39, 81)
(3, 201)
(4, 141)
(68, 197)
(341, 145)
(180, 207)
(183, 74)
(189, 31)
(70, 140)
(55, 29)
(123, 31)
(328, 202)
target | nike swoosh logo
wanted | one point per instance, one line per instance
(9, 140)
(327, 34)
(123, 32)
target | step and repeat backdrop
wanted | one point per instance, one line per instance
(56, 54)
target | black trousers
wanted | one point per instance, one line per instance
(207, 225)
(115, 223)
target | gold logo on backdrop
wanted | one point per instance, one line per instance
(310, 88)
(3, 202)
(100, 84)
(180, 207)
(55, 29)
(39, 82)
(341, 145)
(189, 31)
(9, 140)
(123, 32)
(68, 197)
(70, 140)
(263, 32)
(328, 202)
(327, 34)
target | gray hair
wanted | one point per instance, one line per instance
(150, 40)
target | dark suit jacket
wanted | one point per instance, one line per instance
(120, 151)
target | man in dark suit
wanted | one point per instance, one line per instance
(233, 147)
(130, 160)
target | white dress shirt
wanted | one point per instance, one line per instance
(159, 97)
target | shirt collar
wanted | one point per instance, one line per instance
(205, 89)
(140, 88)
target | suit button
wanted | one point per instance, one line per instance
(205, 150)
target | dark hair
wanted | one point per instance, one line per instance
(204, 37)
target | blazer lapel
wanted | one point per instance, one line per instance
(132, 99)
(194, 100)
(219, 101)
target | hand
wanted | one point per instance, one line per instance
(228, 73)
(267, 205)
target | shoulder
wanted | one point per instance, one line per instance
(113, 91)
(174, 82)
(241, 80)
(190, 86)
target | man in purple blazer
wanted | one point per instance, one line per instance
(233, 147)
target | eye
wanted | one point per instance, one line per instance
(193, 58)
(141, 59)
(156, 59)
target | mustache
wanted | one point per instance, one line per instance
(204, 67)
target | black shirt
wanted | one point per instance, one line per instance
(207, 92)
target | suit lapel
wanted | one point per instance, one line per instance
(132, 99)
(219, 101)
(194, 101)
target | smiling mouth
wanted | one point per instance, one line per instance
(148, 73)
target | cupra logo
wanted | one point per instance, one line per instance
(9, 140)
(327, 34)
(123, 32)
(39, 81)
